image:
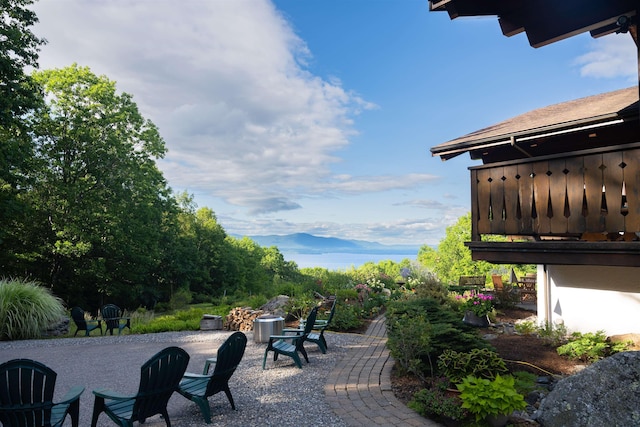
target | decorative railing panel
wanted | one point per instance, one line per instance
(568, 196)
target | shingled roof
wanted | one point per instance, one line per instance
(598, 110)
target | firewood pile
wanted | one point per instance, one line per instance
(241, 319)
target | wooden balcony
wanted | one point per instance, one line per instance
(561, 202)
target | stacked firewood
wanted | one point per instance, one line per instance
(241, 319)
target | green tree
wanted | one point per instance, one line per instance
(452, 259)
(19, 96)
(18, 49)
(100, 201)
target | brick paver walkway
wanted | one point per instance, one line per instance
(359, 388)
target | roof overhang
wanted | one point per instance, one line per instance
(548, 21)
(575, 125)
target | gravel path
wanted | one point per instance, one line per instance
(281, 395)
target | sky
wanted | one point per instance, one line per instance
(317, 116)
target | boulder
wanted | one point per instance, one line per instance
(606, 393)
(276, 305)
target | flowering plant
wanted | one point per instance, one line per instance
(479, 304)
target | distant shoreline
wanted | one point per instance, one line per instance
(344, 260)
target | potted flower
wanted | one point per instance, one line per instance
(476, 308)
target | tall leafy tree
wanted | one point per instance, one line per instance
(101, 201)
(452, 259)
(19, 96)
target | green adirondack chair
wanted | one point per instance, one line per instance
(198, 388)
(82, 324)
(159, 378)
(317, 333)
(113, 319)
(290, 345)
(26, 396)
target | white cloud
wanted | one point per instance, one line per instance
(226, 83)
(611, 56)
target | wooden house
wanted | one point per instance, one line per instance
(562, 181)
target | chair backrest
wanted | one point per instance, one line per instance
(159, 378)
(497, 282)
(111, 314)
(227, 360)
(311, 319)
(332, 312)
(26, 393)
(77, 314)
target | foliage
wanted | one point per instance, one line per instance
(526, 327)
(426, 284)
(18, 50)
(554, 334)
(525, 382)
(19, 98)
(434, 403)
(26, 309)
(347, 317)
(180, 299)
(409, 342)
(480, 304)
(452, 258)
(483, 397)
(590, 347)
(183, 320)
(480, 363)
(446, 330)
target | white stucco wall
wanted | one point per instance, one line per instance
(590, 298)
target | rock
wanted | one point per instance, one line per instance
(57, 329)
(603, 394)
(276, 305)
(633, 339)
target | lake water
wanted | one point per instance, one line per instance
(342, 261)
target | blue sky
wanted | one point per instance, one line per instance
(317, 116)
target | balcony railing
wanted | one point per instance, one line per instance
(570, 196)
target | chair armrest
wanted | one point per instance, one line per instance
(72, 395)
(192, 376)
(283, 337)
(108, 394)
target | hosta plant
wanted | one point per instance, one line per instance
(483, 397)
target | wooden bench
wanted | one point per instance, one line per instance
(468, 283)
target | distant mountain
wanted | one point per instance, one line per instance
(304, 243)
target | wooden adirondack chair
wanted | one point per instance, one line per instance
(159, 378)
(26, 396)
(198, 388)
(82, 324)
(112, 316)
(290, 345)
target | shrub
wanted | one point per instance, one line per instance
(526, 328)
(483, 397)
(553, 334)
(434, 403)
(409, 342)
(346, 318)
(480, 363)
(447, 329)
(26, 309)
(525, 382)
(590, 347)
(180, 299)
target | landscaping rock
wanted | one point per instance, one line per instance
(276, 305)
(57, 329)
(603, 394)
